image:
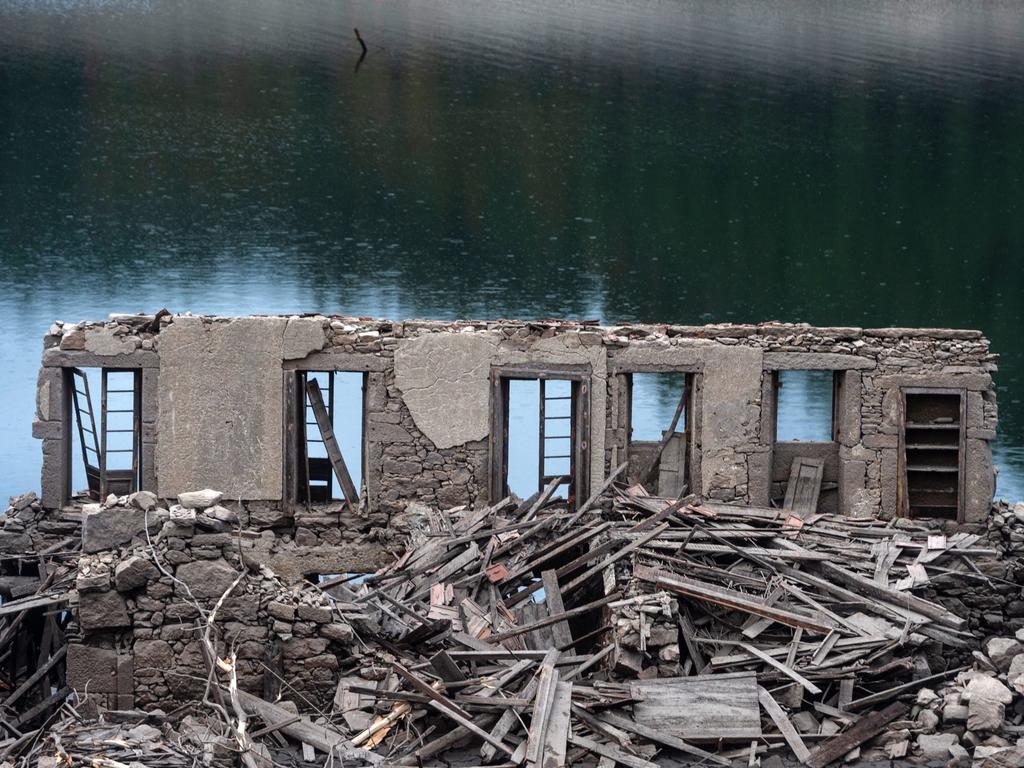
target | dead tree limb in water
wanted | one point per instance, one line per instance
(360, 39)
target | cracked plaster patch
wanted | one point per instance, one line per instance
(445, 382)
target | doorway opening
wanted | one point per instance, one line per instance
(658, 418)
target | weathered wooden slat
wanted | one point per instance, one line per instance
(866, 728)
(556, 735)
(785, 727)
(323, 421)
(660, 736)
(713, 593)
(804, 486)
(870, 588)
(701, 708)
(553, 600)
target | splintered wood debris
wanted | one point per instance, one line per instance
(539, 635)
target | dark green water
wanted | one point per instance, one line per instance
(837, 162)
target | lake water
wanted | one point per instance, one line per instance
(831, 161)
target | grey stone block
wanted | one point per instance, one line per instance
(102, 611)
(107, 528)
(92, 669)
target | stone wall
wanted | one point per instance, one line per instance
(142, 602)
(216, 397)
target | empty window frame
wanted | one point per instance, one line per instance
(541, 422)
(658, 419)
(805, 406)
(329, 461)
(107, 430)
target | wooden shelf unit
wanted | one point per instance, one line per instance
(931, 453)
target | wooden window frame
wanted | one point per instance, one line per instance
(580, 377)
(106, 481)
(689, 382)
(296, 433)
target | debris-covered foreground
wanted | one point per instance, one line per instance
(633, 629)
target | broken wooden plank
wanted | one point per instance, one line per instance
(778, 716)
(556, 734)
(547, 683)
(660, 736)
(613, 753)
(804, 486)
(870, 588)
(555, 606)
(866, 728)
(730, 598)
(701, 708)
(323, 421)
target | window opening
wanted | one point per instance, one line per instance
(540, 437)
(331, 436)
(110, 450)
(804, 406)
(659, 431)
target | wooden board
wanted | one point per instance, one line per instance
(323, 421)
(804, 486)
(701, 708)
(671, 469)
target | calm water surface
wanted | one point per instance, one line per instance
(836, 162)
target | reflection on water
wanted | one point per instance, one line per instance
(853, 162)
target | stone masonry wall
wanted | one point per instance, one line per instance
(215, 400)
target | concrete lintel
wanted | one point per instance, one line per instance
(657, 358)
(64, 358)
(815, 361)
(923, 333)
(339, 360)
(977, 382)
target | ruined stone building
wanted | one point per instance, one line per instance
(219, 402)
(171, 404)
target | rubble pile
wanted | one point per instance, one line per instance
(628, 630)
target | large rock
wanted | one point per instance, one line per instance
(998, 757)
(92, 669)
(133, 573)
(105, 529)
(153, 655)
(1001, 650)
(102, 610)
(935, 746)
(206, 578)
(143, 500)
(987, 700)
(15, 543)
(1015, 677)
(200, 499)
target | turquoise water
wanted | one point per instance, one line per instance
(850, 162)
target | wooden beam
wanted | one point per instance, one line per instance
(866, 728)
(730, 598)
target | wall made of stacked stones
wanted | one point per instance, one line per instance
(141, 606)
(215, 401)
